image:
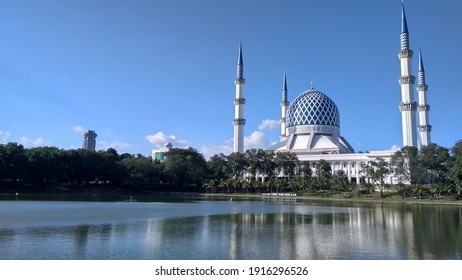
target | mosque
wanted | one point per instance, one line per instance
(310, 124)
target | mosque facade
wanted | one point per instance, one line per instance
(310, 124)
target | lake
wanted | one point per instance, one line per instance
(219, 229)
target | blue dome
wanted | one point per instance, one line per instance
(313, 107)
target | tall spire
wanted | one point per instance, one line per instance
(239, 102)
(284, 88)
(408, 106)
(421, 73)
(404, 38)
(240, 64)
(284, 106)
(424, 127)
(403, 20)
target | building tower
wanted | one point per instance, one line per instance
(89, 140)
(239, 102)
(424, 127)
(284, 106)
(408, 106)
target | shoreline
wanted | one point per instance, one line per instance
(146, 196)
(443, 201)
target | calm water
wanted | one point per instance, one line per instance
(219, 229)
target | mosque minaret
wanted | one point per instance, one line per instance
(310, 123)
(424, 127)
(239, 102)
(408, 106)
(284, 106)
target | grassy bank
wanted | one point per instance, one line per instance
(375, 197)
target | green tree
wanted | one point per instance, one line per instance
(217, 167)
(237, 164)
(339, 181)
(13, 162)
(185, 168)
(304, 169)
(323, 174)
(110, 168)
(286, 162)
(455, 174)
(45, 166)
(405, 165)
(457, 148)
(377, 170)
(267, 166)
(141, 171)
(253, 163)
(434, 161)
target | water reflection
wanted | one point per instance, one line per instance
(246, 230)
(81, 235)
(379, 232)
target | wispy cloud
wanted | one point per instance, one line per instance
(119, 146)
(269, 124)
(210, 150)
(395, 148)
(78, 128)
(4, 136)
(30, 143)
(256, 140)
(159, 139)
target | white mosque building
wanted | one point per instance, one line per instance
(310, 124)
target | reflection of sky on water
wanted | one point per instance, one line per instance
(228, 230)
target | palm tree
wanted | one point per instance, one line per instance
(340, 181)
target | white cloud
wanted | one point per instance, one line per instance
(269, 124)
(395, 148)
(4, 136)
(30, 143)
(256, 140)
(119, 146)
(210, 150)
(159, 139)
(78, 128)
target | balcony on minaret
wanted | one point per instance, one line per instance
(411, 106)
(407, 53)
(409, 79)
(239, 101)
(424, 108)
(239, 121)
(425, 128)
(239, 81)
(422, 87)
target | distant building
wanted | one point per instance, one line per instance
(89, 140)
(159, 154)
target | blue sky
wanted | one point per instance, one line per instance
(144, 72)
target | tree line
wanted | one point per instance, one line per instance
(429, 171)
(50, 168)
